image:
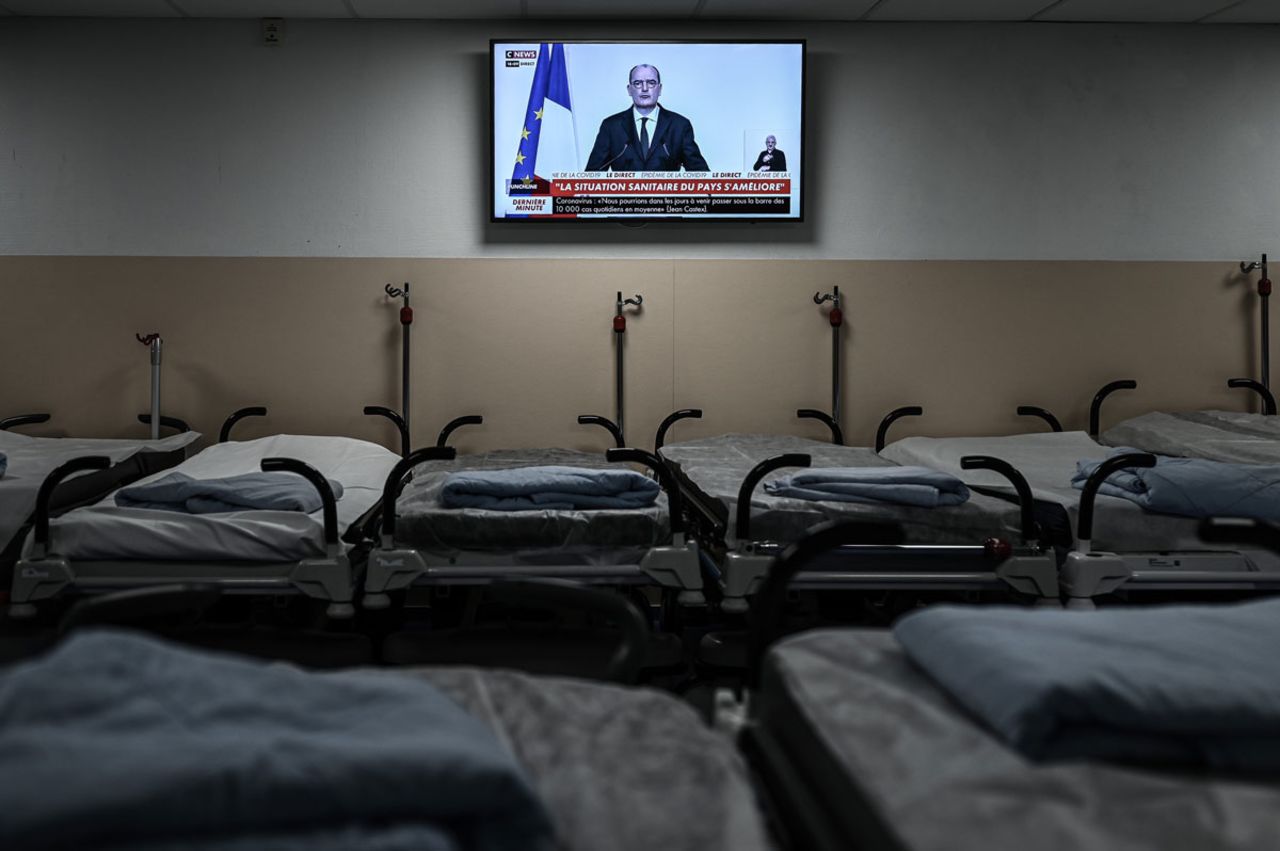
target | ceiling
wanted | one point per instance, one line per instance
(1126, 11)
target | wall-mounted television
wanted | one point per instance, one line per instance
(634, 130)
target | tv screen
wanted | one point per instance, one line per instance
(647, 130)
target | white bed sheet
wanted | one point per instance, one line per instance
(31, 459)
(104, 531)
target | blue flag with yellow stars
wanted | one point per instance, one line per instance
(547, 136)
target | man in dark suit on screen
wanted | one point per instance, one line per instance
(770, 159)
(646, 137)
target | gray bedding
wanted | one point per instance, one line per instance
(625, 769)
(1216, 435)
(1193, 487)
(939, 781)
(116, 739)
(717, 466)
(1146, 686)
(618, 535)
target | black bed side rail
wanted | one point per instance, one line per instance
(321, 484)
(454, 424)
(1095, 407)
(606, 424)
(837, 435)
(22, 420)
(49, 485)
(1089, 494)
(675, 502)
(766, 626)
(1034, 411)
(1029, 528)
(742, 523)
(674, 417)
(396, 420)
(1268, 398)
(395, 483)
(625, 663)
(224, 434)
(890, 418)
(180, 426)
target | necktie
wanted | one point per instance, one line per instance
(644, 137)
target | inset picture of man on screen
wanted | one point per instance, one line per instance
(771, 158)
(648, 136)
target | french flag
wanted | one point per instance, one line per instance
(548, 142)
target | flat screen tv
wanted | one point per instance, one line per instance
(665, 130)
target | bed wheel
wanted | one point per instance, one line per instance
(341, 611)
(376, 601)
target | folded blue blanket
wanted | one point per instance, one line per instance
(1177, 685)
(4, 463)
(898, 485)
(1193, 487)
(267, 491)
(548, 488)
(124, 741)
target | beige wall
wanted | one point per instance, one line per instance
(528, 343)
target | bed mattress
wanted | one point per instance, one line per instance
(1216, 435)
(899, 761)
(629, 769)
(105, 532)
(589, 537)
(716, 467)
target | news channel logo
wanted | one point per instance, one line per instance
(516, 58)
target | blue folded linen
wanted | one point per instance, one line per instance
(1193, 487)
(121, 740)
(275, 491)
(918, 486)
(548, 488)
(1188, 685)
(4, 464)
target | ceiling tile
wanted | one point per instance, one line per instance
(949, 10)
(264, 8)
(1248, 12)
(1149, 11)
(92, 8)
(595, 9)
(795, 10)
(437, 9)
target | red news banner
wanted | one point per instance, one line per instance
(621, 194)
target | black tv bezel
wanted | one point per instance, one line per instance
(494, 218)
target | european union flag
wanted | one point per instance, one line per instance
(547, 133)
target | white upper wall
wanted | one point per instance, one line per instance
(369, 138)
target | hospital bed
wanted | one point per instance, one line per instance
(30, 459)
(615, 766)
(858, 747)
(986, 543)
(421, 545)
(104, 547)
(1117, 543)
(983, 544)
